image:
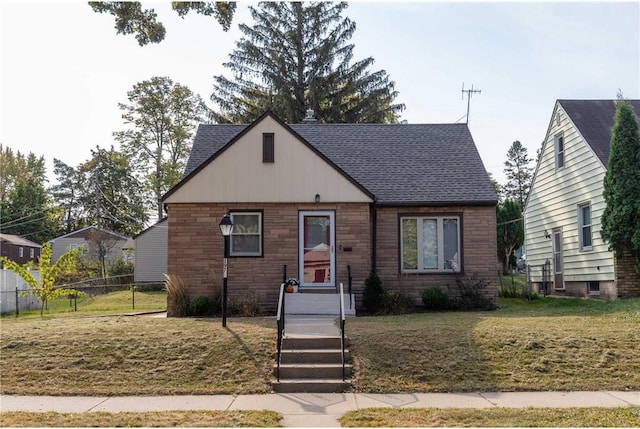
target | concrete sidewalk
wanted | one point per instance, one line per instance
(318, 410)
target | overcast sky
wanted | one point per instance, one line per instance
(64, 70)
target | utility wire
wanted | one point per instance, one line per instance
(510, 221)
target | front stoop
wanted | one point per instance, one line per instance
(312, 365)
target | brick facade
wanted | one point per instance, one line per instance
(627, 278)
(478, 242)
(195, 248)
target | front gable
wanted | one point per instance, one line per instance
(239, 173)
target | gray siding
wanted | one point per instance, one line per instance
(151, 254)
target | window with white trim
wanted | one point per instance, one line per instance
(430, 244)
(73, 246)
(246, 235)
(32, 253)
(559, 145)
(584, 226)
(21, 252)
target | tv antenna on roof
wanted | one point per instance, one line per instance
(470, 93)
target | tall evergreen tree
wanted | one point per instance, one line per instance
(163, 116)
(519, 173)
(296, 56)
(621, 217)
(510, 231)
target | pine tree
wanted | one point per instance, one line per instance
(519, 173)
(296, 56)
(621, 217)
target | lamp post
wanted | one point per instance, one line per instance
(225, 228)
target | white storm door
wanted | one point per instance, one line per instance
(316, 248)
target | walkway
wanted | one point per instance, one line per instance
(318, 410)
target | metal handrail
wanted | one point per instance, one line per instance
(350, 283)
(280, 321)
(342, 323)
(284, 273)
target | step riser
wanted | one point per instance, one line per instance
(291, 356)
(289, 372)
(311, 387)
(312, 343)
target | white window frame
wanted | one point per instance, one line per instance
(440, 228)
(582, 226)
(259, 233)
(73, 246)
(21, 252)
(556, 139)
(32, 253)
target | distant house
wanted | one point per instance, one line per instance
(563, 210)
(151, 253)
(19, 249)
(88, 239)
(412, 202)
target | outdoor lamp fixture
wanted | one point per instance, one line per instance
(317, 198)
(546, 234)
(226, 225)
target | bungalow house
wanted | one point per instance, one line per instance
(18, 249)
(562, 213)
(151, 253)
(412, 202)
(116, 247)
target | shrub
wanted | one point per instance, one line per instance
(435, 298)
(473, 294)
(120, 268)
(203, 306)
(373, 293)
(177, 298)
(396, 303)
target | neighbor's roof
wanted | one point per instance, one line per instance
(594, 120)
(397, 163)
(18, 241)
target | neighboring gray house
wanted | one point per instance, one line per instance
(562, 213)
(151, 253)
(116, 245)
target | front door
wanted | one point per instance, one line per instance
(317, 248)
(558, 280)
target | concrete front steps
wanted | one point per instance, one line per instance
(312, 364)
(310, 303)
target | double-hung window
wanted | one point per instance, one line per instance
(584, 226)
(246, 235)
(430, 244)
(32, 253)
(559, 144)
(21, 252)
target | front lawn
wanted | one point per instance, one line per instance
(545, 344)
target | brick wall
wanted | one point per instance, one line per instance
(195, 248)
(479, 248)
(627, 279)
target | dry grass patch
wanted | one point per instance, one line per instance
(539, 345)
(148, 419)
(493, 417)
(122, 355)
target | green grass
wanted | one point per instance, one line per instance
(493, 417)
(544, 344)
(147, 419)
(118, 302)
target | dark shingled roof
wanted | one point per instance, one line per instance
(594, 120)
(397, 163)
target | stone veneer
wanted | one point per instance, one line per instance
(479, 249)
(195, 248)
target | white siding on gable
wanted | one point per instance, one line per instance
(554, 202)
(239, 175)
(151, 254)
